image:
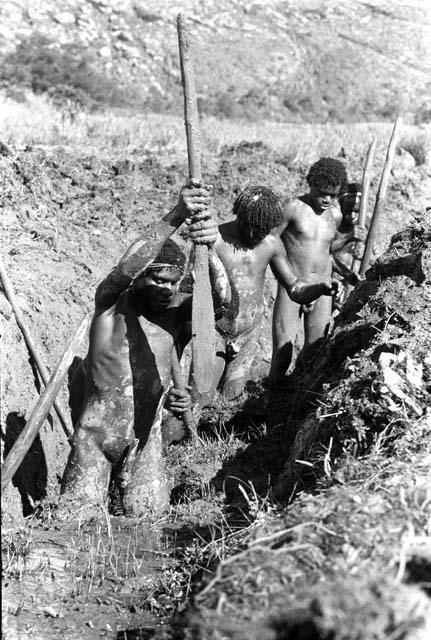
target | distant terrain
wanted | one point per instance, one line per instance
(303, 60)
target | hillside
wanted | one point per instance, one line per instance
(304, 60)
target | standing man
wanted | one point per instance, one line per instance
(139, 319)
(309, 227)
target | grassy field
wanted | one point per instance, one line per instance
(37, 121)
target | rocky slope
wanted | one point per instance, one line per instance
(297, 60)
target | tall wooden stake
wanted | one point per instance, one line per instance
(44, 375)
(381, 196)
(203, 326)
(41, 409)
(366, 180)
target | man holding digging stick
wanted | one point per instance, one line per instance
(139, 320)
(308, 230)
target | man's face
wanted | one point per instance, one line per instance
(349, 205)
(323, 197)
(156, 288)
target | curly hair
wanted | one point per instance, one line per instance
(258, 209)
(327, 173)
(169, 256)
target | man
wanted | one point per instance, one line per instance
(139, 319)
(345, 245)
(246, 246)
(309, 227)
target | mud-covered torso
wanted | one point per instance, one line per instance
(246, 271)
(129, 366)
(308, 238)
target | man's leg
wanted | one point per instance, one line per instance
(284, 329)
(143, 479)
(240, 356)
(317, 320)
(88, 470)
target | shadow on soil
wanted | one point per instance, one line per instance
(32, 474)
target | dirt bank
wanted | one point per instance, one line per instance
(67, 218)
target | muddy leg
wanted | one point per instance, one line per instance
(143, 478)
(237, 371)
(284, 329)
(87, 472)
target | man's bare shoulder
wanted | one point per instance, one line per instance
(336, 214)
(292, 207)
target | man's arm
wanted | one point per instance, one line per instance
(138, 256)
(340, 268)
(203, 230)
(298, 290)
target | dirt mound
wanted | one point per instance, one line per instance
(373, 376)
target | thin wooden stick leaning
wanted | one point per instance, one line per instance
(366, 180)
(203, 326)
(41, 409)
(43, 373)
(381, 196)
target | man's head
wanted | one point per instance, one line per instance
(156, 286)
(350, 199)
(326, 179)
(258, 211)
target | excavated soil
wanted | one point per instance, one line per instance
(67, 218)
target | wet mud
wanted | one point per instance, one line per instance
(91, 579)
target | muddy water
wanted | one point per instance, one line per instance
(91, 581)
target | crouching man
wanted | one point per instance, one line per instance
(139, 319)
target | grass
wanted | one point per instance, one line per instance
(38, 121)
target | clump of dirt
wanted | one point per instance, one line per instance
(373, 375)
(350, 558)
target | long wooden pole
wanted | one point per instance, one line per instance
(43, 373)
(381, 196)
(366, 181)
(203, 326)
(178, 380)
(41, 409)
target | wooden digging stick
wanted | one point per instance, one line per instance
(381, 196)
(366, 180)
(41, 409)
(177, 377)
(362, 218)
(43, 373)
(203, 326)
